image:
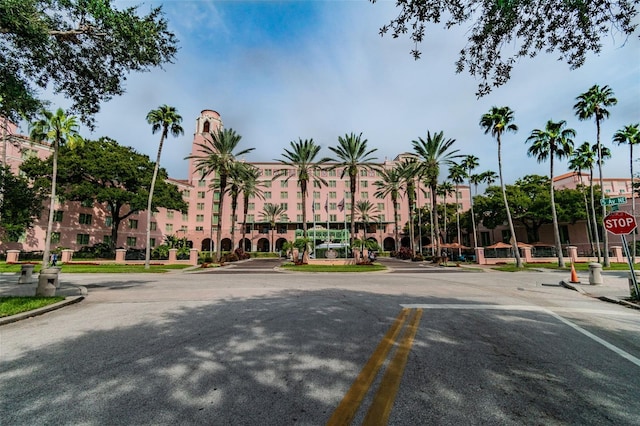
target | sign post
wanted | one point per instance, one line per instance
(622, 223)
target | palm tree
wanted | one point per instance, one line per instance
(58, 129)
(238, 174)
(434, 152)
(166, 119)
(582, 158)
(217, 156)
(555, 141)
(488, 177)
(273, 213)
(457, 173)
(390, 185)
(470, 162)
(497, 121)
(367, 213)
(409, 171)
(630, 135)
(444, 190)
(593, 104)
(352, 155)
(302, 157)
(249, 187)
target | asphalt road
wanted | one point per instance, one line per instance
(285, 348)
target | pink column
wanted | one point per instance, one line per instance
(12, 256)
(67, 255)
(120, 254)
(193, 257)
(173, 255)
(573, 253)
(528, 257)
(617, 254)
(480, 255)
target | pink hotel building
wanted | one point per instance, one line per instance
(80, 224)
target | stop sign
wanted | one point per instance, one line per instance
(619, 223)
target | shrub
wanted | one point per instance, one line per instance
(404, 253)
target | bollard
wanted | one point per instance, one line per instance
(26, 274)
(595, 274)
(47, 284)
(52, 270)
(632, 289)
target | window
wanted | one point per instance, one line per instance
(564, 234)
(199, 218)
(316, 184)
(251, 206)
(168, 227)
(185, 217)
(364, 195)
(133, 223)
(266, 184)
(206, 127)
(298, 218)
(201, 194)
(317, 218)
(186, 193)
(484, 238)
(55, 237)
(183, 228)
(332, 173)
(267, 195)
(84, 219)
(216, 196)
(87, 203)
(284, 194)
(153, 226)
(82, 239)
(268, 172)
(285, 206)
(169, 214)
(251, 218)
(214, 219)
(131, 241)
(202, 183)
(333, 218)
(215, 208)
(381, 217)
(108, 221)
(57, 216)
(316, 195)
(363, 173)
(284, 184)
(298, 194)
(316, 206)
(199, 228)
(332, 184)
(332, 206)
(107, 239)
(380, 206)
(333, 195)
(365, 184)
(298, 206)
(200, 206)
(152, 242)
(506, 235)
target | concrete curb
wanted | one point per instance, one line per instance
(570, 286)
(24, 315)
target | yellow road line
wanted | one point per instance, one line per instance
(380, 409)
(351, 402)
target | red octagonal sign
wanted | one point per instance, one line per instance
(619, 223)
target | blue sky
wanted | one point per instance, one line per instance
(277, 71)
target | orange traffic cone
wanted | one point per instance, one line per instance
(574, 277)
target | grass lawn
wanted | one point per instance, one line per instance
(578, 266)
(107, 268)
(334, 268)
(12, 305)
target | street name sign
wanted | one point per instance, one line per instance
(619, 223)
(614, 201)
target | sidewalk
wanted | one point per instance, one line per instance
(615, 287)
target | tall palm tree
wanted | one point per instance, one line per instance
(457, 173)
(367, 213)
(166, 119)
(409, 171)
(352, 155)
(390, 185)
(497, 121)
(58, 129)
(593, 104)
(302, 157)
(434, 152)
(555, 141)
(488, 177)
(582, 158)
(444, 190)
(238, 174)
(250, 188)
(216, 155)
(470, 162)
(273, 213)
(630, 135)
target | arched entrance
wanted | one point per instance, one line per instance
(279, 243)
(207, 245)
(389, 244)
(373, 240)
(225, 244)
(405, 242)
(263, 245)
(245, 244)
